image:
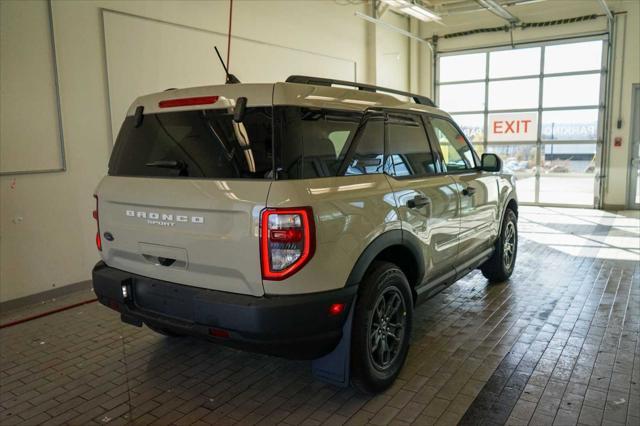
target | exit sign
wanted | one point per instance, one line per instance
(515, 127)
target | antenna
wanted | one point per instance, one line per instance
(230, 78)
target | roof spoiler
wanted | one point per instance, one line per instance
(319, 81)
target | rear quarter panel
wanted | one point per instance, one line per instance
(349, 213)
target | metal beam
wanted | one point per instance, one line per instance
(497, 9)
(393, 28)
(606, 9)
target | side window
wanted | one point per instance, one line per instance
(368, 151)
(456, 152)
(310, 142)
(409, 153)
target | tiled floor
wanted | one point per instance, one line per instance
(557, 344)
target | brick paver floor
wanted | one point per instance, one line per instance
(556, 344)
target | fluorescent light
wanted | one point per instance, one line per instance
(413, 9)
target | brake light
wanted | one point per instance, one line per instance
(201, 100)
(96, 216)
(287, 241)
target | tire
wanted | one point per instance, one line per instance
(375, 366)
(500, 265)
(163, 331)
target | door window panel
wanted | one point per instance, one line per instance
(514, 63)
(519, 159)
(456, 152)
(514, 94)
(574, 90)
(579, 124)
(567, 174)
(462, 67)
(409, 150)
(583, 56)
(462, 97)
(472, 125)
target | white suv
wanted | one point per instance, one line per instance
(268, 216)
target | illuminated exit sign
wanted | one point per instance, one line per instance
(515, 127)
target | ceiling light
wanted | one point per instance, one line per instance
(409, 7)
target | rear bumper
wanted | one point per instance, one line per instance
(296, 326)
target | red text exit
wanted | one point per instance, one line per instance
(511, 126)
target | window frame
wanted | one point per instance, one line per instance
(420, 118)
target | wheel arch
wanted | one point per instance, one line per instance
(396, 246)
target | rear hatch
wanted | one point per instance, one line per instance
(185, 189)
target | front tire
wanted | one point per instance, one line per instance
(381, 328)
(500, 265)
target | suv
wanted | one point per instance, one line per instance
(268, 216)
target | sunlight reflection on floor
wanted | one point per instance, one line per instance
(582, 232)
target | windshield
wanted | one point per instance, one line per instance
(310, 143)
(195, 144)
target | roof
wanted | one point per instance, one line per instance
(282, 93)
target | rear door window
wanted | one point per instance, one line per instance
(196, 144)
(313, 142)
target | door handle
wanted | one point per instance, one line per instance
(469, 191)
(418, 201)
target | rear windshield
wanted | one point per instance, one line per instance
(309, 143)
(196, 144)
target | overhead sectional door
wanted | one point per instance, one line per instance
(538, 106)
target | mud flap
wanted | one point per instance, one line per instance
(335, 367)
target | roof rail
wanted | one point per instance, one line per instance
(319, 81)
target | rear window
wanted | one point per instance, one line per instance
(196, 144)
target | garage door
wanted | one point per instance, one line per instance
(539, 106)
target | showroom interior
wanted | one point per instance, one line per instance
(550, 86)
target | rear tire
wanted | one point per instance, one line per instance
(381, 328)
(500, 265)
(163, 331)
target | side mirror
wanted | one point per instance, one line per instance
(240, 109)
(491, 163)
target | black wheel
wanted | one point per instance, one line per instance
(381, 328)
(163, 331)
(500, 266)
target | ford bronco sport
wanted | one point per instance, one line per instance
(266, 216)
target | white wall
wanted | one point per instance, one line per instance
(616, 184)
(46, 230)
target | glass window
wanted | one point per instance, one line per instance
(580, 124)
(573, 57)
(514, 94)
(573, 90)
(472, 125)
(463, 67)
(462, 97)
(567, 175)
(514, 63)
(456, 152)
(201, 143)
(409, 153)
(369, 148)
(519, 159)
(310, 141)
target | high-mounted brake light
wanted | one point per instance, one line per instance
(287, 241)
(201, 100)
(96, 216)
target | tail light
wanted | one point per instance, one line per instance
(96, 216)
(287, 241)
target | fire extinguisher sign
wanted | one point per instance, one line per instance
(513, 127)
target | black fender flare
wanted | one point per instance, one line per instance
(395, 237)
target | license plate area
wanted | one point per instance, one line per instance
(165, 299)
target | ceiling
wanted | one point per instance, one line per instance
(458, 15)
